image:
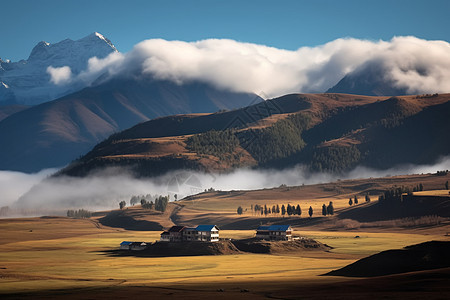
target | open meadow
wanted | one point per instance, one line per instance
(55, 257)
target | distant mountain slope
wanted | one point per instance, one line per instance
(54, 133)
(29, 82)
(8, 110)
(327, 132)
(371, 80)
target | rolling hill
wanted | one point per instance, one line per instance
(326, 132)
(54, 133)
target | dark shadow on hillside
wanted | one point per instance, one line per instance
(414, 207)
(118, 219)
(425, 256)
(166, 249)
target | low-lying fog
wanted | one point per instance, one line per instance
(39, 194)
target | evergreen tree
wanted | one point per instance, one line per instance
(350, 202)
(289, 209)
(446, 185)
(265, 210)
(324, 210)
(310, 211)
(134, 200)
(283, 210)
(356, 199)
(330, 208)
(367, 197)
(420, 187)
(278, 209)
(122, 204)
(298, 210)
(239, 210)
(274, 209)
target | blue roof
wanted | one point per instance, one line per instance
(274, 227)
(125, 243)
(263, 228)
(205, 227)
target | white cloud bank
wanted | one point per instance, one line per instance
(420, 66)
(105, 191)
(59, 76)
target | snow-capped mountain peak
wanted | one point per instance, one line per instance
(30, 82)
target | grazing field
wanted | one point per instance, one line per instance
(57, 257)
(440, 193)
(50, 255)
(314, 195)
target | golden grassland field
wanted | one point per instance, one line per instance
(42, 254)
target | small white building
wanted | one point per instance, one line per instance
(138, 246)
(125, 245)
(135, 246)
(207, 233)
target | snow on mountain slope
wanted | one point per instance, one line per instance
(47, 73)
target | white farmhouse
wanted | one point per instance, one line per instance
(207, 233)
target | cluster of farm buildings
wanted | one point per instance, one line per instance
(210, 233)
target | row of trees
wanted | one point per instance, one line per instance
(79, 214)
(442, 173)
(276, 209)
(290, 210)
(356, 200)
(418, 188)
(394, 194)
(159, 205)
(156, 202)
(327, 210)
(135, 199)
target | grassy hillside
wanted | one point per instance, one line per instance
(220, 207)
(54, 133)
(327, 132)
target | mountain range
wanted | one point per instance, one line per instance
(53, 133)
(325, 132)
(47, 119)
(29, 81)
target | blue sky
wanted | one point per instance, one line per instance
(282, 24)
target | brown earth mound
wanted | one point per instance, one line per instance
(254, 245)
(226, 247)
(425, 256)
(166, 249)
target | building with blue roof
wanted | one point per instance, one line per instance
(201, 233)
(274, 232)
(125, 245)
(207, 233)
